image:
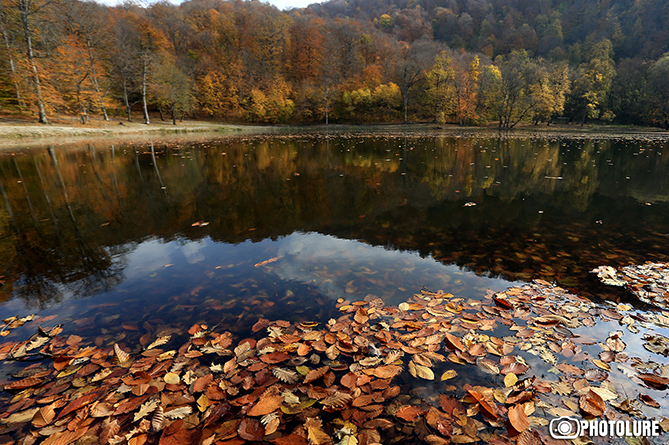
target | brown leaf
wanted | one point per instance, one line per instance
(316, 374)
(286, 375)
(592, 403)
(348, 380)
(291, 439)
(440, 421)
(518, 418)
(25, 383)
(274, 357)
(515, 367)
(66, 437)
(338, 400)
(110, 431)
(102, 410)
(158, 419)
(78, 403)
(450, 404)
(361, 316)
(488, 405)
(528, 437)
(44, 416)
(569, 369)
(654, 381)
(315, 433)
(384, 372)
(454, 342)
(303, 349)
(648, 400)
(266, 405)
(251, 429)
(409, 413)
(121, 355)
(262, 323)
(138, 440)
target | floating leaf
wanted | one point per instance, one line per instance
(172, 378)
(451, 373)
(409, 413)
(518, 418)
(648, 400)
(146, 408)
(592, 404)
(159, 342)
(316, 374)
(121, 355)
(285, 375)
(178, 413)
(315, 433)
(488, 366)
(251, 429)
(510, 379)
(266, 405)
(338, 400)
(203, 403)
(420, 371)
(158, 419)
(654, 381)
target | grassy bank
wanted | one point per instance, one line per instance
(24, 132)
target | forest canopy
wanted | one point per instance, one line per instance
(459, 61)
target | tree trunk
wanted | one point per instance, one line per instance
(24, 9)
(94, 80)
(128, 107)
(162, 116)
(12, 67)
(406, 105)
(146, 110)
(174, 114)
(327, 105)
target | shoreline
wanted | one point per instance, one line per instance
(19, 134)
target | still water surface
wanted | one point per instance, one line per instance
(179, 232)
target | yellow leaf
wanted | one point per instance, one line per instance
(600, 364)
(448, 375)
(172, 378)
(315, 433)
(510, 379)
(202, 403)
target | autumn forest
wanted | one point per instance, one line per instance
(467, 62)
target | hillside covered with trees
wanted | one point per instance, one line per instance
(459, 61)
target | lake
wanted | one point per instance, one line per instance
(108, 239)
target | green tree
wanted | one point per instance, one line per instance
(172, 88)
(440, 87)
(657, 90)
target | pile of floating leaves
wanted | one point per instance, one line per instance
(377, 374)
(648, 282)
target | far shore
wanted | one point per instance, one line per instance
(17, 132)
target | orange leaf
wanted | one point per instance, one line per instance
(592, 403)
(316, 374)
(518, 418)
(384, 372)
(409, 413)
(251, 429)
(361, 316)
(266, 405)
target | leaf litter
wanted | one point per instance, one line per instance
(368, 376)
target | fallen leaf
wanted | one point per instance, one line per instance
(266, 405)
(518, 418)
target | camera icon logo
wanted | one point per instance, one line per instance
(565, 428)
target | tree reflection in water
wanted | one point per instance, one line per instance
(72, 215)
